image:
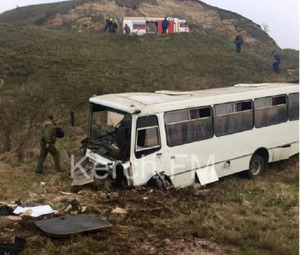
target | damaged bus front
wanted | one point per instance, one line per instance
(107, 146)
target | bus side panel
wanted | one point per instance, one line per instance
(294, 149)
(230, 153)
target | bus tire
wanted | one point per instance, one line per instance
(256, 167)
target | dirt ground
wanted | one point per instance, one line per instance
(139, 209)
(144, 220)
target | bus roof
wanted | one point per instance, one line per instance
(165, 100)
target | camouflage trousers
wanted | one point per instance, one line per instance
(43, 154)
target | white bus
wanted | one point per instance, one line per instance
(197, 136)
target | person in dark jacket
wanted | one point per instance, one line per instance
(127, 29)
(48, 144)
(114, 27)
(238, 43)
(108, 24)
(165, 26)
(276, 64)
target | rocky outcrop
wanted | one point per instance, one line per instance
(89, 15)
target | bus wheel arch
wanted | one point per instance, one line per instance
(258, 163)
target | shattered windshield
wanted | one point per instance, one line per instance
(109, 131)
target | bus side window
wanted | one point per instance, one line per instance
(233, 117)
(270, 110)
(294, 106)
(147, 136)
(187, 126)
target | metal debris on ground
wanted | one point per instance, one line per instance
(161, 181)
(72, 224)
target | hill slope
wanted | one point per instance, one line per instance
(50, 70)
(44, 70)
(89, 15)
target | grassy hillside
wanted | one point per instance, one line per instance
(43, 71)
(57, 69)
(87, 15)
(37, 14)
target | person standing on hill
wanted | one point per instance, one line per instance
(276, 64)
(108, 23)
(127, 29)
(48, 144)
(165, 26)
(238, 43)
(113, 27)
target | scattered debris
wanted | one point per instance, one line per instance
(36, 211)
(32, 194)
(197, 186)
(14, 218)
(108, 197)
(13, 248)
(119, 210)
(12, 204)
(141, 188)
(160, 181)
(68, 225)
(42, 183)
(25, 204)
(66, 193)
(83, 209)
(201, 193)
(26, 213)
(6, 210)
(74, 207)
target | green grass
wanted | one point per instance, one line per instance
(39, 13)
(70, 67)
(46, 71)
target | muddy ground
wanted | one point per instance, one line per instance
(148, 221)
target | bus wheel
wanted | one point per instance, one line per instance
(256, 166)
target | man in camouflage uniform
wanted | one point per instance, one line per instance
(47, 144)
(96, 131)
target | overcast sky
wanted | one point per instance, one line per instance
(281, 16)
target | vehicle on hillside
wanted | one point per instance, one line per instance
(194, 137)
(148, 25)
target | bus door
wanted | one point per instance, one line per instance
(147, 150)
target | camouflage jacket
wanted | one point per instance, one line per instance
(49, 132)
